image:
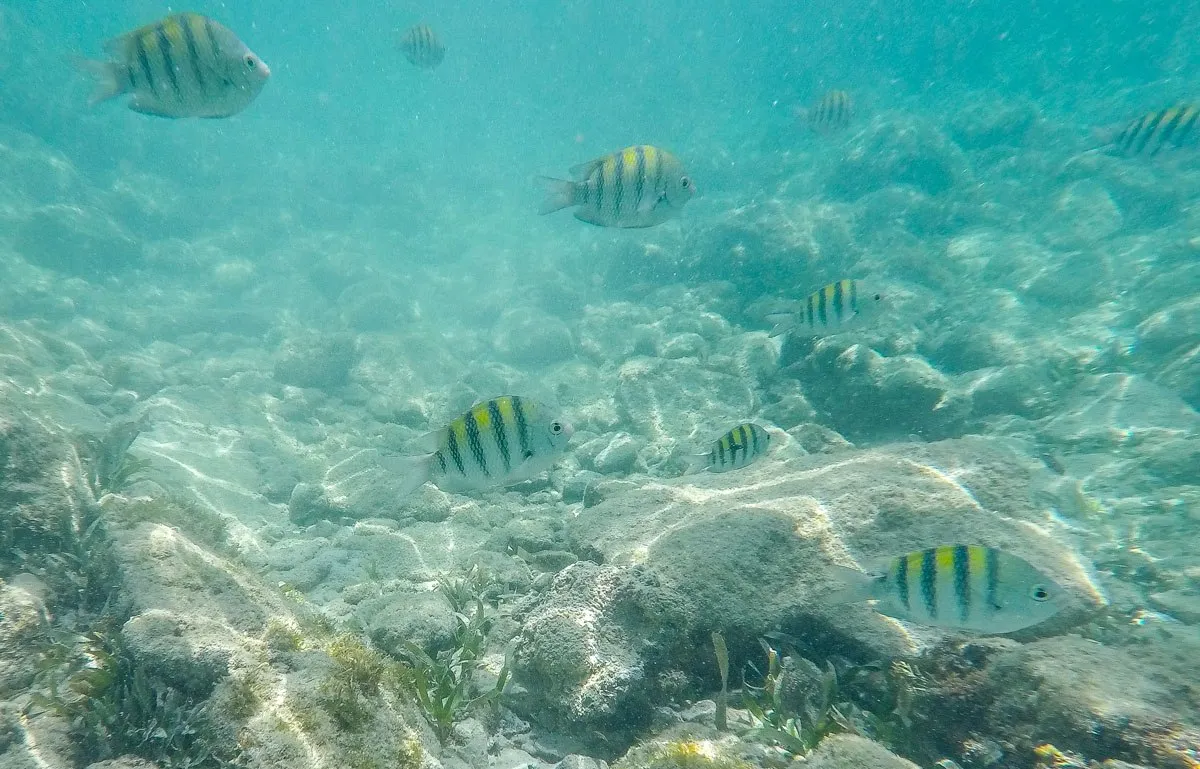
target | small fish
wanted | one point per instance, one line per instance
(639, 186)
(736, 448)
(422, 47)
(185, 65)
(1166, 128)
(827, 309)
(832, 112)
(499, 442)
(964, 587)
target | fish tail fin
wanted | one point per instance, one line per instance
(559, 194)
(783, 323)
(107, 76)
(850, 585)
(696, 463)
(414, 471)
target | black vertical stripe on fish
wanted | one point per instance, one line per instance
(639, 176)
(193, 55)
(164, 46)
(600, 187)
(902, 581)
(659, 187)
(839, 300)
(441, 459)
(929, 581)
(992, 584)
(712, 456)
(474, 442)
(810, 309)
(754, 439)
(1150, 127)
(211, 34)
(455, 451)
(822, 310)
(721, 451)
(522, 426)
(499, 433)
(618, 182)
(853, 296)
(144, 61)
(962, 580)
(744, 439)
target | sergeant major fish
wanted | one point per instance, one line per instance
(832, 112)
(827, 309)
(1155, 131)
(963, 587)
(422, 47)
(735, 449)
(185, 65)
(499, 442)
(639, 186)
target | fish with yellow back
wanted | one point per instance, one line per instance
(185, 65)
(639, 186)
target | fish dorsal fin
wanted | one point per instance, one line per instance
(582, 171)
(120, 45)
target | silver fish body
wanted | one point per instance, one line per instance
(735, 449)
(960, 587)
(639, 186)
(496, 443)
(185, 65)
(832, 112)
(828, 309)
(422, 47)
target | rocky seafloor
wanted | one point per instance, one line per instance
(245, 588)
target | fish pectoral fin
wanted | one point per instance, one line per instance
(582, 171)
(648, 204)
(591, 217)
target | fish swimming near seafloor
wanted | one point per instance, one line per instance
(185, 65)
(828, 309)
(961, 587)
(735, 449)
(422, 47)
(499, 442)
(639, 186)
(1168, 128)
(832, 112)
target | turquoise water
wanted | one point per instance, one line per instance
(211, 332)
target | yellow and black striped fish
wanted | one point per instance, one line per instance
(1163, 129)
(735, 449)
(965, 587)
(832, 112)
(499, 442)
(827, 309)
(185, 65)
(422, 47)
(639, 186)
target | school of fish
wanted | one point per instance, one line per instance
(187, 65)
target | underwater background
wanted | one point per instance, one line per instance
(213, 332)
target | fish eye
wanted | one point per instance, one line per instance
(685, 182)
(556, 428)
(1039, 593)
(878, 297)
(250, 62)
